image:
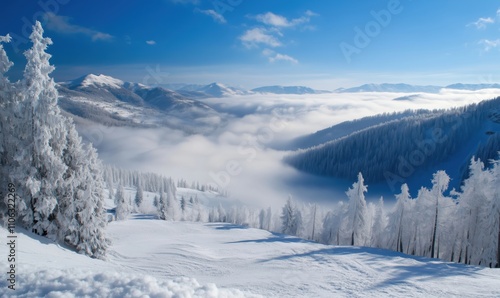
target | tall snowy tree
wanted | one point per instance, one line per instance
(139, 196)
(291, 218)
(357, 216)
(48, 135)
(287, 218)
(90, 211)
(162, 206)
(172, 205)
(7, 144)
(379, 225)
(490, 221)
(122, 206)
(398, 233)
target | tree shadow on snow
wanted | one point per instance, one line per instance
(144, 216)
(411, 268)
(274, 238)
(225, 226)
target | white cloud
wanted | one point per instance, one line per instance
(255, 36)
(267, 52)
(151, 42)
(273, 56)
(213, 14)
(279, 21)
(271, 34)
(489, 44)
(282, 57)
(272, 19)
(62, 24)
(482, 23)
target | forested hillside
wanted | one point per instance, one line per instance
(394, 150)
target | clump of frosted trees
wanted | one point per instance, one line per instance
(59, 185)
(462, 227)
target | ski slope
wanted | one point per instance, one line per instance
(182, 259)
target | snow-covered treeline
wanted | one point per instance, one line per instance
(462, 227)
(382, 150)
(57, 179)
(147, 181)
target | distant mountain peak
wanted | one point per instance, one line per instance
(387, 87)
(220, 90)
(276, 89)
(92, 80)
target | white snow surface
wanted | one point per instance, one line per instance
(153, 258)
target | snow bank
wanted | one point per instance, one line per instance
(85, 283)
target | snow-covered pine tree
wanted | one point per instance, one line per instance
(6, 117)
(397, 229)
(91, 213)
(440, 184)
(473, 199)
(162, 206)
(48, 135)
(357, 216)
(489, 239)
(287, 217)
(122, 207)
(139, 196)
(172, 204)
(379, 225)
(332, 224)
(291, 218)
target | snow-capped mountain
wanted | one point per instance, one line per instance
(220, 90)
(110, 101)
(404, 88)
(92, 80)
(287, 90)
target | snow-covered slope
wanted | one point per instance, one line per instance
(44, 269)
(287, 90)
(152, 258)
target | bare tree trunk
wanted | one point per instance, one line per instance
(433, 245)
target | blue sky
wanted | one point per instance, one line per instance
(324, 44)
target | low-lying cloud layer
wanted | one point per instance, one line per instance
(239, 156)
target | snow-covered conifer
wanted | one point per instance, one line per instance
(357, 217)
(122, 207)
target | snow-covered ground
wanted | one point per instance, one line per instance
(161, 258)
